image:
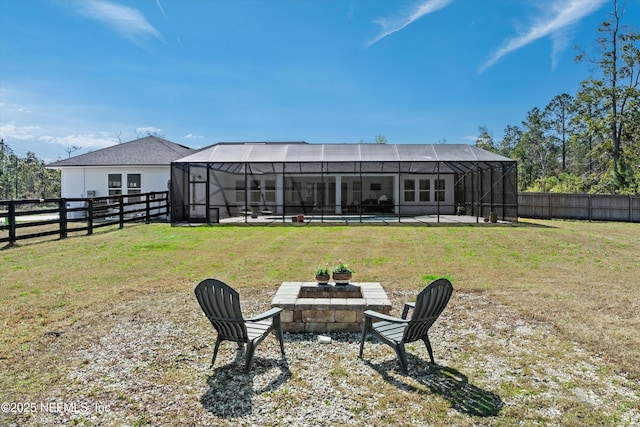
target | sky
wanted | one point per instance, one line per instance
(80, 75)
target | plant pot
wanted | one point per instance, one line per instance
(493, 217)
(323, 279)
(341, 278)
(300, 218)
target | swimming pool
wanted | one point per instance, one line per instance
(351, 218)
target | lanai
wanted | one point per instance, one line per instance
(399, 180)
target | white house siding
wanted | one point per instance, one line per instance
(77, 181)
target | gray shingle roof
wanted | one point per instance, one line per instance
(146, 151)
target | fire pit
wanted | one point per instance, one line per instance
(309, 307)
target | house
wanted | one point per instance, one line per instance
(133, 167)
(234, 179)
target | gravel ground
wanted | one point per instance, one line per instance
(150, 366)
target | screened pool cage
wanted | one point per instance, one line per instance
(280, 181)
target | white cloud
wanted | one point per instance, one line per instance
(19, 133)
(161, 10)
(83, 140)
(564, 14)
(193, 136)
(126, 21)
(11, 132)
(561, 40)
(394, 24)
(149, 130)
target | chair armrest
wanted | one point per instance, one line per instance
(407, 307)
(380, 316)
(270, 313)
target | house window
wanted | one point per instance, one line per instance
(440, 188)
(424, 190)
(357, 191)
(115, 184)
(134, 186)
(134, 183)
(270, 190)
(255, 191)
(409, 190)
(240, 190)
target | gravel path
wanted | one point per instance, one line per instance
(151, 367)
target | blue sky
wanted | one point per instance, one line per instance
(89, 73)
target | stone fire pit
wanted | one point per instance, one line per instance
(309, 307)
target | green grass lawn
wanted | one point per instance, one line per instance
(573, 286)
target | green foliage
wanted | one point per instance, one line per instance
(563, 183)
(485, 140)
(322, 271)
(26, 178)
(342, 268)
(380, 139)
(431, 277)
(588, 142)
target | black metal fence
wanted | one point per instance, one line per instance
(30, 219)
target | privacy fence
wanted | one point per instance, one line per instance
(30, 219)
(596, 207)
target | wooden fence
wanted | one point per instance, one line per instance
(29, 219)
(597, 207)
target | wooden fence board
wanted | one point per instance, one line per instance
(598, 207)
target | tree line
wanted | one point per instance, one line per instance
(26, 177)
(588, 142)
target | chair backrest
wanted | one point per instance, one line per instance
(430, 303)
(221, 304)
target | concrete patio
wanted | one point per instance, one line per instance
(357, 219)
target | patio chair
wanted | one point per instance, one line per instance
(396, 332)
(221, 304)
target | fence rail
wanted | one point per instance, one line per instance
(29, 219)
(597, 207)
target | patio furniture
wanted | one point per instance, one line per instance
(377, 206)
(221, 304)
(396, 332)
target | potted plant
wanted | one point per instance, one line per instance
(322, 275)
(342, 273)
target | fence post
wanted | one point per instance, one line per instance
(121, 198)
(90, 217)
(12, 223)
(148, 209)
(62, 205)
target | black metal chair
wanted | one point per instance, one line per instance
(221, 304)
(396, 332)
